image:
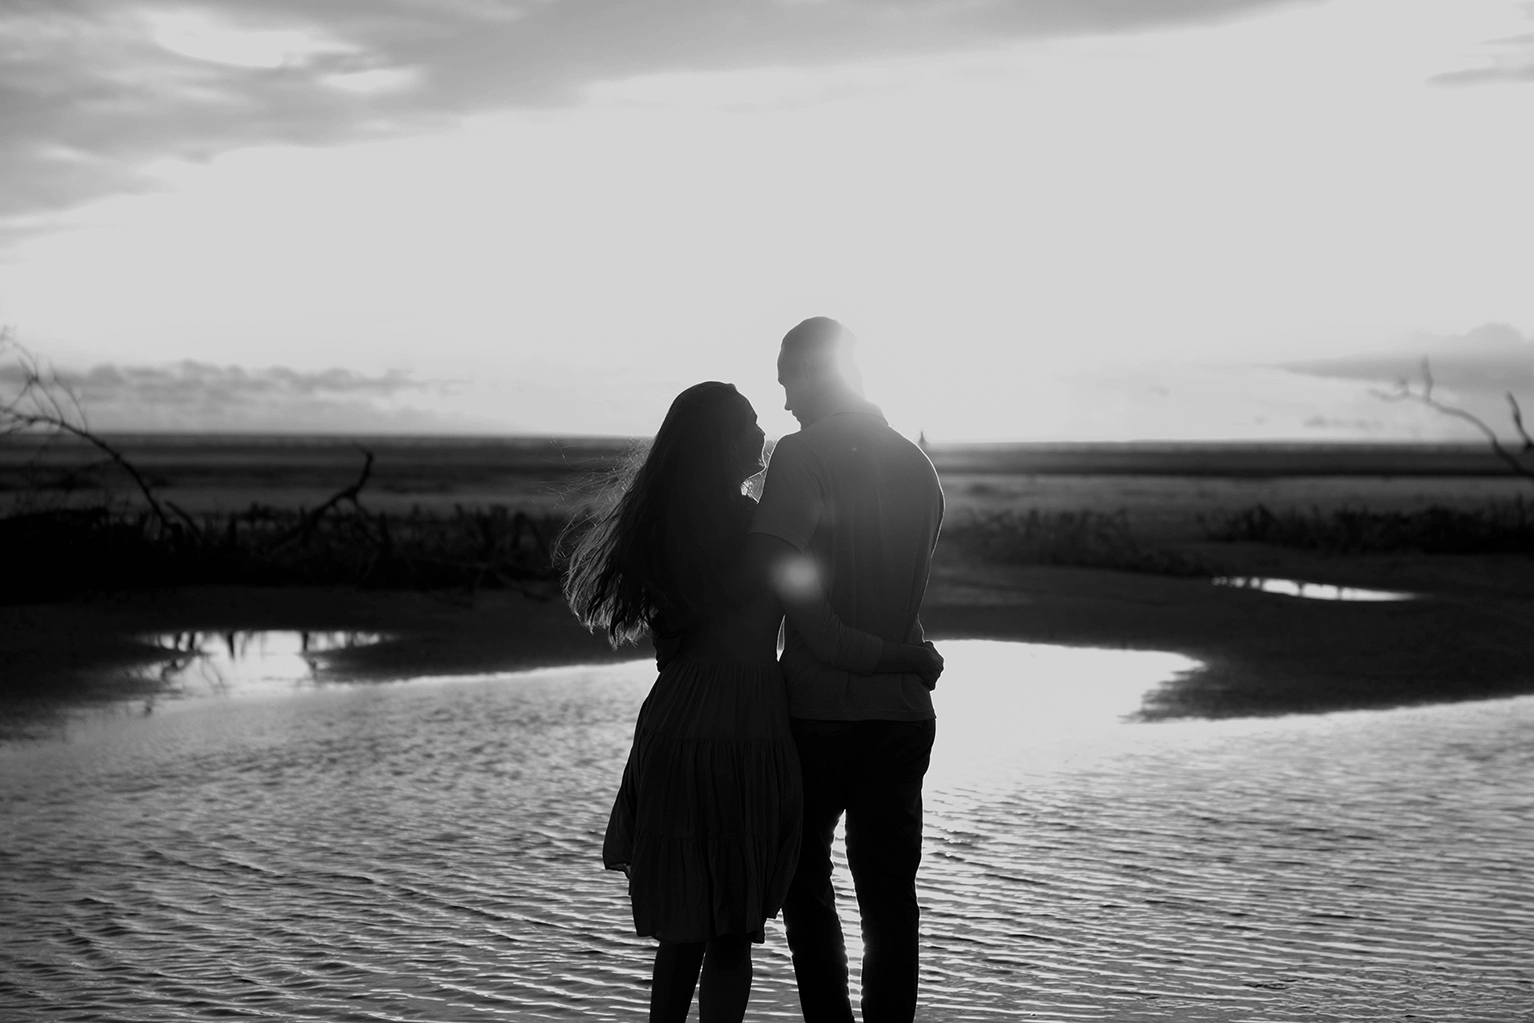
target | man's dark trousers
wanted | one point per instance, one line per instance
(872, 771)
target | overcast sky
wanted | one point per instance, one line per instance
(1045, 219)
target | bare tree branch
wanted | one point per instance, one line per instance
(1404, 392)
(310, 520)
(1528, 442)
(43, 401)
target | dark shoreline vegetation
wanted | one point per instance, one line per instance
(1084, 539)
(58, 552)
(55, 553)
(1504, 527)
(70, 530)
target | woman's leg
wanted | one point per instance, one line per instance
(674, 979)
(726, 980)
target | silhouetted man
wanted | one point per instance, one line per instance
(864, 504)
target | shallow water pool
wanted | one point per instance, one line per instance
(244, 663)
(431, 851)
(1311, 591)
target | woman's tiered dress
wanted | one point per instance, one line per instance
(708, 813)
(707, 816)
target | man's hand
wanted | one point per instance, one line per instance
(933, 669)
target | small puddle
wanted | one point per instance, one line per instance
(1309, 591)
(1014, 686)
(219, 663)
(994, 694)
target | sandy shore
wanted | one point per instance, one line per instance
(1465, 637)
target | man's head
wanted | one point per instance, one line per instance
(817, 369)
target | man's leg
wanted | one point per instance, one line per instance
(883, 852)
(809, 911)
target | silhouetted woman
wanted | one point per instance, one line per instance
(706, 822)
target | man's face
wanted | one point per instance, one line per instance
(799, 391)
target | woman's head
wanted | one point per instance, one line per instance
(665, 542)
(707, 437)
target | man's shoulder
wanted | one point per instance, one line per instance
(895, 446)
(839, 430)
(799, 449)
(860, 437)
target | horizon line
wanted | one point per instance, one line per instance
(278, 436)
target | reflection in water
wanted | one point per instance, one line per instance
(203, 663)
(432, 851)
(1310, 591)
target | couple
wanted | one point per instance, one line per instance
(736, 756)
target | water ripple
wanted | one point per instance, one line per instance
(431, 851)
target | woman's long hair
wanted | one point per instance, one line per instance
(663, 546)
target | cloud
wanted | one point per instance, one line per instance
(208, 382)
(1488, 361)
(1509, 60)
(92, 91)
(198, 396)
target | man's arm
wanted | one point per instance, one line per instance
(793, 577)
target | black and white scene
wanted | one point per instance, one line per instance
(719, 510)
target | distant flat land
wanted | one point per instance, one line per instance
(204, 472)
(232, 472)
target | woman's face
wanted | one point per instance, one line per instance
(749, 451)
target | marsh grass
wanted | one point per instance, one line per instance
(1505, 527)
(59, 551)
(1084, 538)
